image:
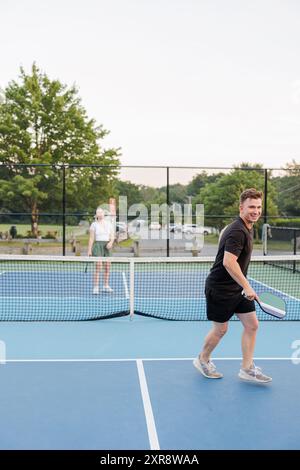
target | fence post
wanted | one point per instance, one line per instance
(136, 247)
(64, 209)
(266, 198)
(168, 212)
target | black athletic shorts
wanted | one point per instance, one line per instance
(222, 305)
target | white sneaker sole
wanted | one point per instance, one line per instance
(253, 379)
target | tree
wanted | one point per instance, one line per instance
(130, 190)
(42, 121)
(288, 190)
(140, 194)
(177, 193)
(200, 180)
(221, 198)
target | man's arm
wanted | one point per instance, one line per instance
(233, 268)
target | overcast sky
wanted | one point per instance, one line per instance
(177, 82)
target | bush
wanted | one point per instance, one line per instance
(30, 234)
(292, 223)
(13, 231)
(52, 235)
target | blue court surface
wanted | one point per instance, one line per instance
(130, 384)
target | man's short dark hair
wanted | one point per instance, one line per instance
(251, 193)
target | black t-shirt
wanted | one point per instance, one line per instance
(238, 240)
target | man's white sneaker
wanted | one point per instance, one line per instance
(254, 374)
(208, 369)
(96, 290)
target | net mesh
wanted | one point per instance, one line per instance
(281, 240)
(61, 288)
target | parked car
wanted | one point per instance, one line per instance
(210, 230)
(136, 225)
(121, 227)
(175, 228)
(155, 226)
(194, 228)
(191, 228)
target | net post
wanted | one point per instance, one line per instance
(131, 289)
(265, 196)
(64, 210)
(294, 248)
(168, 212)
(264, 237)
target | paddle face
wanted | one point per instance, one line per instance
(272, 304)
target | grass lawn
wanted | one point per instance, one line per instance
(23, 229)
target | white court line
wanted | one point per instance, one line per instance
(151, 428)
(58, 298)
(170, 299)
(125, 285)
(149, 359)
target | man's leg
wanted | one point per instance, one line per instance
(203, 362)
(250, 324)
(249, 371)
(212, 339)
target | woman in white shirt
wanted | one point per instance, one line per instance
(100, 243)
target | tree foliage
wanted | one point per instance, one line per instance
(288, 190)
(221, 198)
(43, 121)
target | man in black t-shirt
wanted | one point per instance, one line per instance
(223, 290)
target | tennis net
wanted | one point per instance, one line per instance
(34, 288)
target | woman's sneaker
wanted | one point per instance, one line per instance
(254, 374)
(208, 369)
(107, 289)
